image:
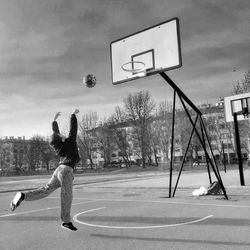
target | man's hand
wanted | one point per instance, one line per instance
(76, 111)
(57, 115)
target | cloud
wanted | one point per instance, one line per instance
(204, 17)
(48, 46)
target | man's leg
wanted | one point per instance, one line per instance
(38, 193)
(43, 192)
(66, 178)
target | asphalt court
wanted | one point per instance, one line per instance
(123, 215)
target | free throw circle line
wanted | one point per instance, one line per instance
(134, 227)
(42, 209)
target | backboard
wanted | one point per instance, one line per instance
(147, 52)
(239, 104)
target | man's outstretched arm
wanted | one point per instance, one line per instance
(73, 125)
(55, 127)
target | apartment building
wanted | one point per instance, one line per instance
(20, 154)
(220, 134)
(13, 152)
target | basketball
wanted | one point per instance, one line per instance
(89, 80)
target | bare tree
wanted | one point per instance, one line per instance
(163, 126)
(244, 128)
(19, 159)
(34, 154)
(87, 139)
(104, 141)
(117, 124)
(220, 134)
(47, 153)
(184, 129)
(159, 132)
(153, 142)
(242, 86)
(119, 116)
(139, 107)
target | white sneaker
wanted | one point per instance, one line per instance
(19, 197)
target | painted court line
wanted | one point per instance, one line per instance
(107, 182)
(134, 227)
(42, 209)
(166, 202)
(130, 200)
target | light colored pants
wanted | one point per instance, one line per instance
(62, 177)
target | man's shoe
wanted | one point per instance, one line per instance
(19, 197)
(68, 226)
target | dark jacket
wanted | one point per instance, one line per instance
(67, 149)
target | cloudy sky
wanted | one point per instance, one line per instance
(47, 46)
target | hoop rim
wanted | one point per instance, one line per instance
(141, 69)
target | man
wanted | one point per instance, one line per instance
(66, 148)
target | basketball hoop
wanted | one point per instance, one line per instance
(135, 68)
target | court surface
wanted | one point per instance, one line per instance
(134, 213)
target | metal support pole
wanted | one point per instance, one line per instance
(184, 157)
(173, 85)
(237, 140)
(182, 95)
(203, 138)
(213, 164)
(224, 158)
(172, 147)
